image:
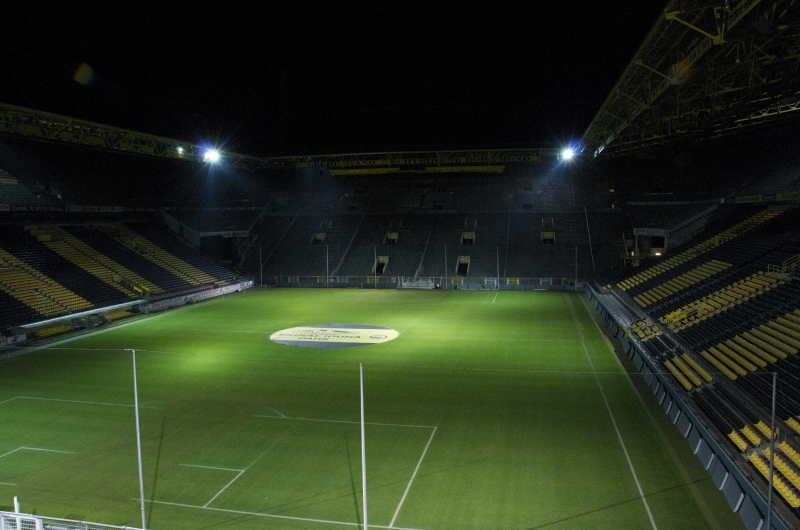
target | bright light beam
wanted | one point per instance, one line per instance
(567, 154)
(212, 155)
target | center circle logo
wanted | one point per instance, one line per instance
(333, 335)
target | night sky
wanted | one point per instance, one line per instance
(302, 77)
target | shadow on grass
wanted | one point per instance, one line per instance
(352, 478)
(155, 473)
(618, 504)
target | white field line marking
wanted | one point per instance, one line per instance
(13, 451)
(495, 296)
(493, 339)
(285, 517)
(211, 467)
(276, 442)
(343, 421)
(6, 484)
(708, 512)
(223, 489)
(37, 449)
(621, 442)
(12, 399)
(86, 402)
(413, 475)
(273, 410)
(47, 450)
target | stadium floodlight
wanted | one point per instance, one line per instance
(567, 153)
(179, 149)
(211, 155)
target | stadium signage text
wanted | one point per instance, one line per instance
(333, 335)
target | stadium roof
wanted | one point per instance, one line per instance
(287, 78)
(706, 69)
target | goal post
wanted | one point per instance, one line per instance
(410, 283)
(22, 521)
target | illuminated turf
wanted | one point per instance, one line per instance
(491, 402)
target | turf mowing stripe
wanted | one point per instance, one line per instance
(87, 402)
(621, 442)
(286, 517)
(413, 475)
(343, 421)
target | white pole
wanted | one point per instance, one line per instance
(498, 267)
(327, 274)
(576, 267)
(445, 266)
(375, 272)
(138, 439)
(16, 504)
(363, 447)
(260, 266)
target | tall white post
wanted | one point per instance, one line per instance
(445, 267)
(498, 267)
(576, 267)
(327, 267)
(16, 504)
(363, 447)
(260, 266)
(138, 440)
(375, 272)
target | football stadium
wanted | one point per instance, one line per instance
(600, 331)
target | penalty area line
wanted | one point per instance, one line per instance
(621, 442)
(272, 516)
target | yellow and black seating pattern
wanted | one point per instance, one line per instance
(721, 300)
(697, 250)
(679, 283)
(785, 479)
(36, 290)
(76, 251)
(157, 255)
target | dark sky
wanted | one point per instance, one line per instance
(303, 77)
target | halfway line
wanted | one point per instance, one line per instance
(621, 442)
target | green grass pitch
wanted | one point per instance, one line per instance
(489, 411)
